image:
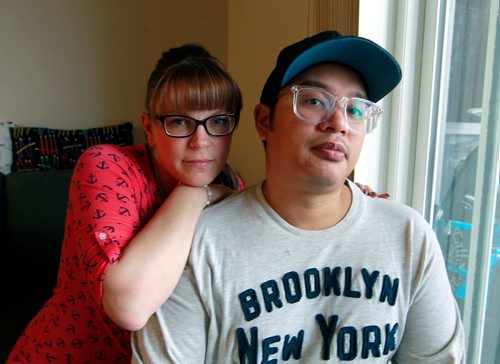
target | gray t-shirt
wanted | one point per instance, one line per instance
(371, 289)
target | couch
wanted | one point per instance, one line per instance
(36, 164)
(32, 214)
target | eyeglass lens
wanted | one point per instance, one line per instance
(316, 105)
(183, 126)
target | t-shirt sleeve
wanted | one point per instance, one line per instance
(104, 211)
(434, 331)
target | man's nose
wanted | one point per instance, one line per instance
(336, 123)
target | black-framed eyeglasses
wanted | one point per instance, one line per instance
(314, 105)
(182, 126)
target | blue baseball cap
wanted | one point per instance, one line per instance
(376, 67)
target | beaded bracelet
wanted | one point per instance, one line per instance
(209, 194)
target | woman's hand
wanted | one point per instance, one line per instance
(367, 190)
(213, 192)
(219, 192)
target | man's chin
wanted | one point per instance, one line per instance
(322, 182)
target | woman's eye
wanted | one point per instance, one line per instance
(221, 120)
(177, 122)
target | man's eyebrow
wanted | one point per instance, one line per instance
(360, 95)
(319, 84)
(313, 84)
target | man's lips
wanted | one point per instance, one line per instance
(333, 151)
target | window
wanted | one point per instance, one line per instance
(438, 146)
(464, 181)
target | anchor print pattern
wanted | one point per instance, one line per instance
(113, 194)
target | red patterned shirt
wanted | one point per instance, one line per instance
(113, 194)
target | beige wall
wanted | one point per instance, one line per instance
(85, 63)
(259, 29)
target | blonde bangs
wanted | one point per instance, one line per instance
(196, 88)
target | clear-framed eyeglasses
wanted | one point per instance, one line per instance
(314, 105)
(182, 126)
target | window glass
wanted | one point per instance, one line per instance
(464, 129)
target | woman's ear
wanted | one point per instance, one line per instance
(261, 115)
(147, 125)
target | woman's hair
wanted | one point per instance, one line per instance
(190, 78)
(230, 178)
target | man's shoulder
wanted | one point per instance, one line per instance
(392, 210)
(229, 215)
(237, 201)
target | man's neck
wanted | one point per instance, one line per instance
(308, 210)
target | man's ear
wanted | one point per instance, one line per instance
(262, 115)
(147, 125)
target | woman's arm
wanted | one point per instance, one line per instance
(146, 274)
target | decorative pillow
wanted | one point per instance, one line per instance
(5, 146)
(48, 149)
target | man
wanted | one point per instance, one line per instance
(303, 267)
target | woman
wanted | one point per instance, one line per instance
(132, 212)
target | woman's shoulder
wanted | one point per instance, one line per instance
(111, 154)
(109, 159)
(113, 150)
